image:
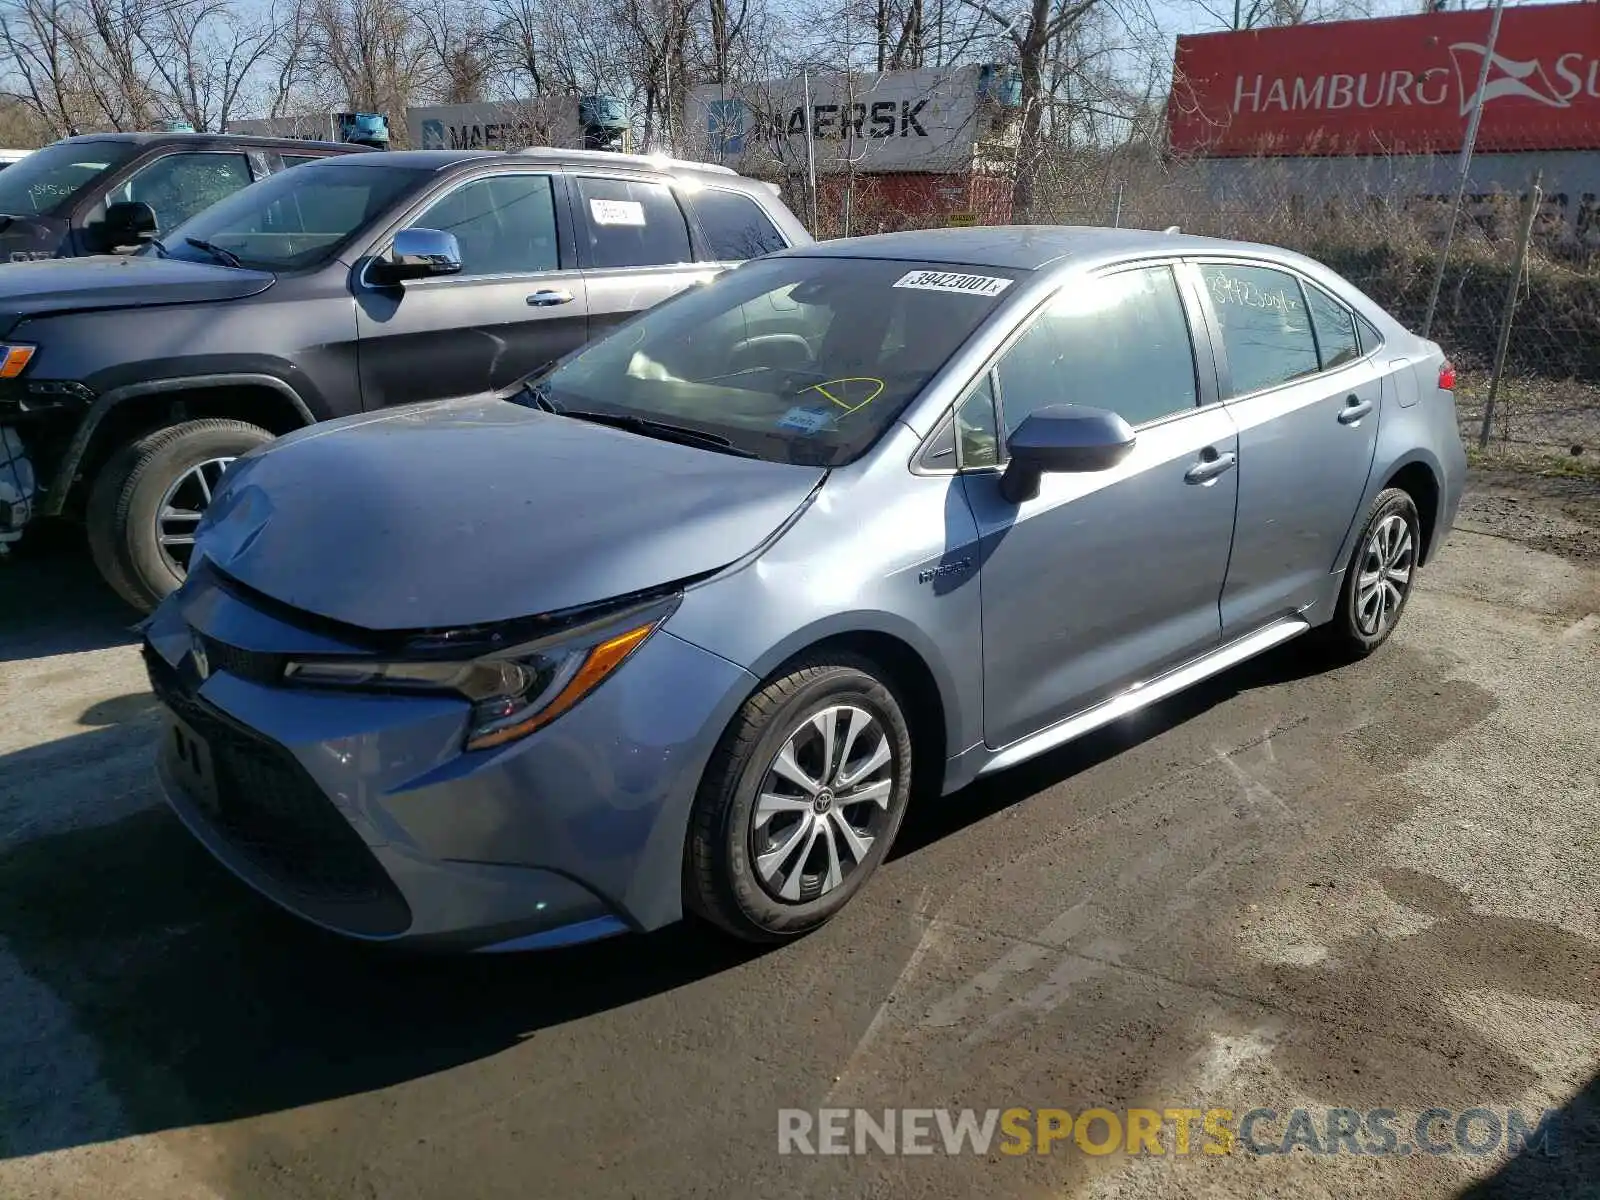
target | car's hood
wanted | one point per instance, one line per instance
(474, 511)
(30, 289)
(27, 239)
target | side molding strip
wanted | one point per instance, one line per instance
(1213, 662)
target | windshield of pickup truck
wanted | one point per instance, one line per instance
(48, 178)
(296, 219)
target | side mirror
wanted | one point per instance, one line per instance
(1062, 437)
(128, 223)
(419, 254)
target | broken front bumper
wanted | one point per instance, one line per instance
(18, 488)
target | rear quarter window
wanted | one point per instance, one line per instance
(735, 225)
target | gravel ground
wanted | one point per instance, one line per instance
(1374, 887)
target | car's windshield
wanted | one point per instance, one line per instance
(295, 219)
(47, 178)
(804, 360)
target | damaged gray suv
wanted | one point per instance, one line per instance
(683, 624)
(128, 383)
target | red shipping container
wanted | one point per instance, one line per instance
(1393, 85)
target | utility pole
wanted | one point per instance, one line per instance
(811, 150)
(1464, 167)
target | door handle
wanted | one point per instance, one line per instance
(550, 297)
(1210, 466)
(1354, 409)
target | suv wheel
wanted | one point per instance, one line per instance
(147, 501)
(800, 802)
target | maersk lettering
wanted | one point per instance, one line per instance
(490, 135)
(908, 117)
(836, 122)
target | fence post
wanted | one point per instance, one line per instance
(1525, 234)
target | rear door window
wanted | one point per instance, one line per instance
(631, 223)
(735, 225)
(1266, 330)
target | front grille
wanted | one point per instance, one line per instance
(277, 818)
(254, 665)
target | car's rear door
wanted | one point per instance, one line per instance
(1105, 577)
(634, 244)
(518, 303)
(1306, 401)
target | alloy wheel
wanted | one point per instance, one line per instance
(1387, 566)
(182, 506)
(824, 801)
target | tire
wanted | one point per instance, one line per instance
(724, 881)
(130, 490)
(1352, 634)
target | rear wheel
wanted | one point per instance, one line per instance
(800, 803)
(1378, 579)
(147, 502)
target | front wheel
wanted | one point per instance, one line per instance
(1378, 579)
(800, 803)
(148, 500)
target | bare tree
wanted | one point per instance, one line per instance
(39, 53)
(203, 55)
(459, 47)
(376, 49)
(1031, 27)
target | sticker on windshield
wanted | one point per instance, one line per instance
(806, 420)
(949, 281)
(617, 212)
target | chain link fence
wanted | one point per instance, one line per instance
(1385, 235)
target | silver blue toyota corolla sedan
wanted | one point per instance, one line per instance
(683, 623)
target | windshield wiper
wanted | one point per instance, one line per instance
(226, 257)
(539, 393)
(664, 430)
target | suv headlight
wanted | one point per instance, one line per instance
(512, 692)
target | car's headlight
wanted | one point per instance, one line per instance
(512, 692)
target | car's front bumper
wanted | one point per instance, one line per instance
(361, 812)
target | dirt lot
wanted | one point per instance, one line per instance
(1377, 887)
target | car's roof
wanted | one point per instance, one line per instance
(246, 139)
(438, 160)
(1016, 247)
(426, 160)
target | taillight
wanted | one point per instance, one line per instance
(1447, 376)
